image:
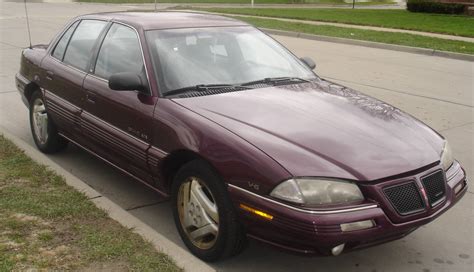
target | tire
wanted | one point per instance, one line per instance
(51, 142)
(230, 239)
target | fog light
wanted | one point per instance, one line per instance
(360, 225)
(256, 212)
(337, 249)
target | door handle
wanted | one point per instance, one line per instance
(90, 98)
(49, 75)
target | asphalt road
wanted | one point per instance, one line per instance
(436, 90)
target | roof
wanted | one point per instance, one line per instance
(167, 19)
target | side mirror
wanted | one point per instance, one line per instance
(309, 62)
(126, 82)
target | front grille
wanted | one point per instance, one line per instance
(405, 198)
(435, 187)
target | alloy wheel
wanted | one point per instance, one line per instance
(40, 121)
(198, 213)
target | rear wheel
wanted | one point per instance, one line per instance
(44, 131)
(204, 214)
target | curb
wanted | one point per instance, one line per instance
(401, 48)
(181, 257)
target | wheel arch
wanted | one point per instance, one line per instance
(174, 161)
(31, 88)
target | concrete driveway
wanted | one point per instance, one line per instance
(436, 90)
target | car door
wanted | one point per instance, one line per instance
(64, 71)
(119, 122)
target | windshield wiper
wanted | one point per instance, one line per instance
(276, 81)
(203, 88)
(206, 87)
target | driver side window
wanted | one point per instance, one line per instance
(120, 52)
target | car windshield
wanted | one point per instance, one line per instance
(219, 55)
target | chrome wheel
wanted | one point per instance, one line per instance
(198, 213)
(40, 121)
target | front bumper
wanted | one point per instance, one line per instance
(316, 232)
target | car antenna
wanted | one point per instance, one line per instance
(28, 24)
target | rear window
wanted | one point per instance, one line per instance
(79, 50)
(61, 45)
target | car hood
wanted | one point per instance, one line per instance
(323, 129)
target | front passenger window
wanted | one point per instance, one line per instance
(120, 52)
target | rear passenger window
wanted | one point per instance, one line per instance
(80, 47)
(120, 52)
(61, 45)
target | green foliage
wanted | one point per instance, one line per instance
(435, 7)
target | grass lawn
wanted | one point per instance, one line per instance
(401, 19)
(366, 35)
(47, 225)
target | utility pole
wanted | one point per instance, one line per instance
(252, 3)
(353, 4)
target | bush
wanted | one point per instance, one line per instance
(435, 7)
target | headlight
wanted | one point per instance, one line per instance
(317, 191)
(446, 156)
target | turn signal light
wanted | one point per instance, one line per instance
(360, 225)
(256, 212)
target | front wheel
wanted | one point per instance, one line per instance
(45, 133)
(204, 214)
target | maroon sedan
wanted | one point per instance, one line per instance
(243, 137)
